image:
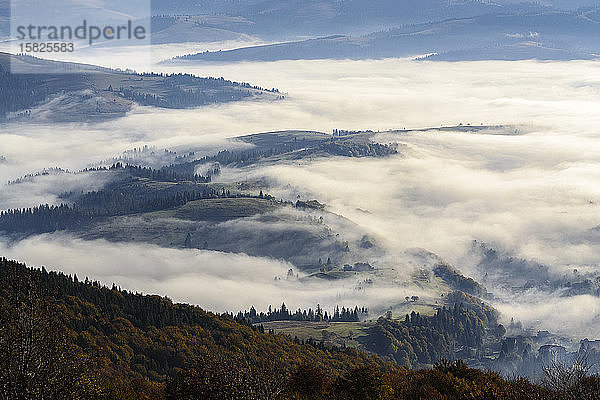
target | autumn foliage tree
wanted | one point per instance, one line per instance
(307, 382)
(36, 359)
(224, 376)
(63, 339)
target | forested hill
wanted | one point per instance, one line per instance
(275, 147)
(57, 91)
(131, 340)
(63, 338)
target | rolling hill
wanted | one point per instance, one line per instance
(69, 92)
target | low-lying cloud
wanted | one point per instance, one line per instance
(49, 187)
(214, 280)
(535, 194)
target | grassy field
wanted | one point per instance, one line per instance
(332, 333)
(170, 227)
(269, 139)
(349, 334)
(218, 209)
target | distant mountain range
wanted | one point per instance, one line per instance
(277, 19)
(280, 19)
(546, 35)
(316, 29)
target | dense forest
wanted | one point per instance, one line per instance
(130, 193)
(64, 338)
(12, 88)
(464, 327)
(424, 340)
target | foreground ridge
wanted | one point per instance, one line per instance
(81, 339)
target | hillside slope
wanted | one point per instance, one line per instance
(64, 92)
(129, 337)
(61, 338)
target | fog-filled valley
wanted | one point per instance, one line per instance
(386, 182)
(524, 186)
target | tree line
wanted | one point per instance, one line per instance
(318, 315)
(162, 174)
(125, 196)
